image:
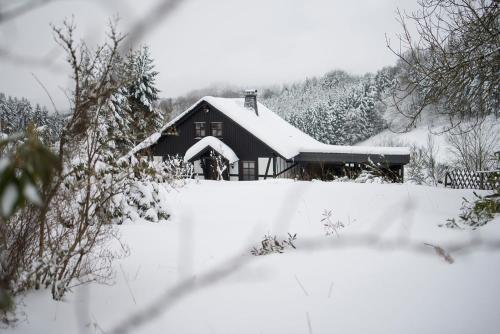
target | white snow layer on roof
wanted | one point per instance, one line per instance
(215, 144)
(278, 134)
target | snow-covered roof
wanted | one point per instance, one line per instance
(275, 132)
(215, 144)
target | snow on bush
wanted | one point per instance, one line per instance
(368, 177)
(144, 197)
(331, 228)
(270, 244)
(144, 200)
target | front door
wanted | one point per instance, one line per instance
(212, 166)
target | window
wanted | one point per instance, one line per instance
(216, 129)
(248, 170)
(200, 129)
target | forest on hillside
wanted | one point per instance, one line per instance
(336, 108)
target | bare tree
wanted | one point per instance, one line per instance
(475, 149)
(57, 243)
(453, 62)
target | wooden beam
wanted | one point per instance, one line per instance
(286, 169)
(267, 168)
(274, 166)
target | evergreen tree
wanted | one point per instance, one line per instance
(16, 114)
(3, 113)
(142, 94)
(338, 121)
(40, 116)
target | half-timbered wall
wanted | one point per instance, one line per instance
(246, 146)
(284, 169)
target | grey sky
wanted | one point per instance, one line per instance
(239, 42)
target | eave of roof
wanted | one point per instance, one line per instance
(341, 158)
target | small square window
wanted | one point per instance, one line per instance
(216, 128)
(248, 170)
(200, 129)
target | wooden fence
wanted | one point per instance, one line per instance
(464, 179)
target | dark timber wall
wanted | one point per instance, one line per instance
(242, 142)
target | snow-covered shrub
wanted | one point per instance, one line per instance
(364, 176)
(143, 196)
(342, 179)
(368, 177)
(481, 210)
(172, 170)
(270, 244)
(423, 167)
(143, 200)
(331, 228)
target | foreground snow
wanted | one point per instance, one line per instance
(352, 288)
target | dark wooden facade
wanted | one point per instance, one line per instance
(177, 140)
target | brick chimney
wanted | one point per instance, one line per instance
(251, 100)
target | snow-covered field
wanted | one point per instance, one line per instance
(394, 284)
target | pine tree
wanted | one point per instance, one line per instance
(40, 116)
(142, 94)
(3, 113)
(338, 121)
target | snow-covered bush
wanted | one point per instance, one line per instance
(484, 208)
(331, 228)
(479, 211)
(143, 196)
(368, 177)
(270, 244)
(144, 200)
(423, 167)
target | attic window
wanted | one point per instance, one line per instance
(200, 129)
(216, 128)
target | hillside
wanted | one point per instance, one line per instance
(377, 276)
(433, 129)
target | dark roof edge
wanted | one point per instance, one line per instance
(395, 159)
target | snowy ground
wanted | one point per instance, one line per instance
(343, 288)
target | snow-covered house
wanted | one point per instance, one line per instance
(255, 144)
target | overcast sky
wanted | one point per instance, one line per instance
(240, 42)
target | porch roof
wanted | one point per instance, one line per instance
(213, 143)
(353, 157)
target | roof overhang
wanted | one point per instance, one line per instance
(342, 158)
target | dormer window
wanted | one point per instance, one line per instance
(200, 129)
(216, 128)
